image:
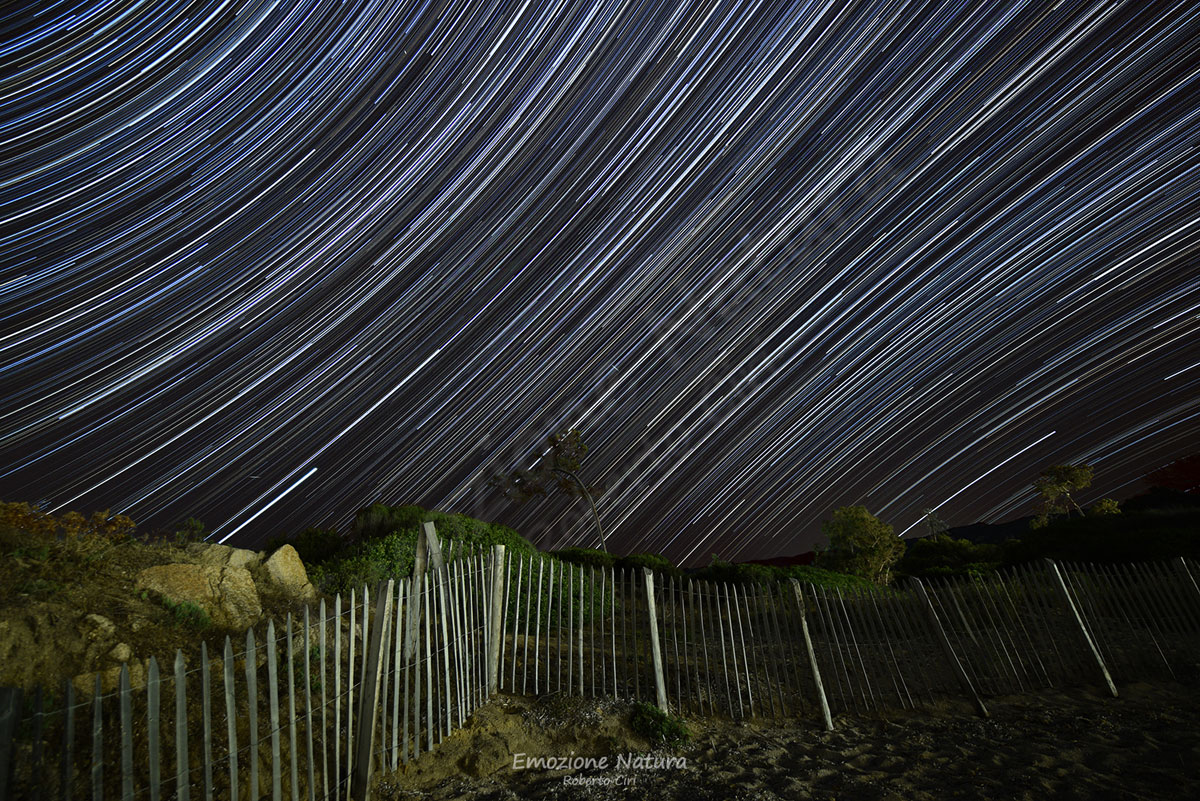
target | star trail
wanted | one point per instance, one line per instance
(265, 263)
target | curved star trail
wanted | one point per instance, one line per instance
(265, 263)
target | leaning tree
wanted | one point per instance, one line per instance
(557, 467)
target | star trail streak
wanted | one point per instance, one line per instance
(265, 263)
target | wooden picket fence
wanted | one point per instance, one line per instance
(312, 708)
(783, 650)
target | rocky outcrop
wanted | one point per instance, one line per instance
(47, 641)
(227, 594)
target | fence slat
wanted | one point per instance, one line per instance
(940, 633)
(182, 782)
(409, 624)
(570, 630)
(660, 686)
(612, 580)
(529, 602)
(812, 657)
(153, 693)
(515, 599)
(592, 617)
(397, 638)
(231, 720)
(373, 661)
(67, 751)
(206, 711)
(126, 704)
(344, 777)
(1091, 644)
(673, 604)
(308, 694)
(428, 667)
(97, 743)
(337, 695)
(252, 696)
(558, 632)
(291, 674)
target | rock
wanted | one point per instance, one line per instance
(110, 680)
(285, 573)
(227, 594)
(224, 556)
(121, 652)
(98, 627)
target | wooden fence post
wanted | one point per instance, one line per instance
(496, 607)
(660, 684)
(1066, 594)
(936, 624)
(369, 713)
(812, 657)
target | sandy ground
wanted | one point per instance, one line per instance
(1076, 744)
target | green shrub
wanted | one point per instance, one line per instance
(588, 557)
(825, 578)
(368, 563)
(187, 614)
(943, 555)
(657, 726)
(745, 573)
(378, 557)
(381, 520)
(657, 563)
(190, 530)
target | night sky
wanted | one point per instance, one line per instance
(266, 263)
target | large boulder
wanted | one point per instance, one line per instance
(227, 594)
(285, 574)
(223, 555)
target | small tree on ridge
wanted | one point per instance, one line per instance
(557, 467)
(860, 544)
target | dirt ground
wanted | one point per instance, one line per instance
(1077, 745)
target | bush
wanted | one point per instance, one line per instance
(190, 530)
(825, 578)
(721, 571)
(187, 614)
(749, 573)
(588, 557)
(657, 726)
(369, 563)
(380, 557)
(380, 520)
(943, 555)
(657, 563)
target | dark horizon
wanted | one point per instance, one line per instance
(267, 265)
